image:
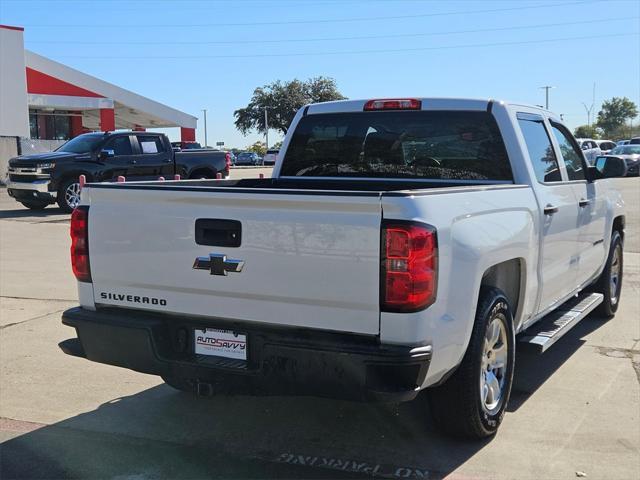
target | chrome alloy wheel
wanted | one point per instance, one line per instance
(616, 271)
(494, 364)
(72, 195)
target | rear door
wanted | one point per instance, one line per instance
(559, 214)
(308, 260)
(154, 157)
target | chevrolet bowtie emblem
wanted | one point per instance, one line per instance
(218, 264)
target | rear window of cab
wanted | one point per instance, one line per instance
(398, 144)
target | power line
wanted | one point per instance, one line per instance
(300, 22)
(322, 39)
(351, 52)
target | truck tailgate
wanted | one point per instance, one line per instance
(310, 260)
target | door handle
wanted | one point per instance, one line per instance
(584, 202)
(133, 162)
(550, 209)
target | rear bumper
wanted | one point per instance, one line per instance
(280, 361)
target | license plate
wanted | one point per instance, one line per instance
(221, 343)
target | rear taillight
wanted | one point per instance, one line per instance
(393, 104)
(80, 244)
(409, 266)
(227, 158)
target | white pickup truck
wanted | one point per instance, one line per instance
(401, 245)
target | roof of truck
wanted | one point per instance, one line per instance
(428, 103)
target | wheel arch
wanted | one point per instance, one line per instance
(508, 276)
(619, 223)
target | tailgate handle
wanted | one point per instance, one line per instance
(218, 232)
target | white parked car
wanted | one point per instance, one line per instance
(401, 245)
(270, 157)
(605, 146)
(590, 149)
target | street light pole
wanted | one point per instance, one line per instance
(547, 88)
(205, 127)
(266, 128)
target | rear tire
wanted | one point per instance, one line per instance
(472, 403)
(610, 282)
(199, 174)
(35, 205)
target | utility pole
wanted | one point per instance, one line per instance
(593, 102)
(266, 128)
(588, 112)
(205, 127)
(546, 89)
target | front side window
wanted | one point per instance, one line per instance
(399, 144)
(82, 144)
(570, 153)
(543, 158)
(119, 145)
(150, 144)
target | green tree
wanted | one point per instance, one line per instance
(276, 146)
(586, 131)
(259, 147)
(614, 113)
(283, 100)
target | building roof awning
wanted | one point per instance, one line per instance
(54, 85)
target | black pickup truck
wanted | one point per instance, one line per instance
(41, 179)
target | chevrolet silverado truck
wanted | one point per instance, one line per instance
(40, 179)
(402, 245)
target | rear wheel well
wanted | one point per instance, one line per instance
(507, 276)
(618, 224)
(203, 172)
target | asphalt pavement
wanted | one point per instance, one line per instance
(573, 410)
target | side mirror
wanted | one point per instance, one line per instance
(106, 153)
(610, 167)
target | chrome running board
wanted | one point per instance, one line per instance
(544, 333)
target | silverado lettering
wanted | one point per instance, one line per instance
(121, 297)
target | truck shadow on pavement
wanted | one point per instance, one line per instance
(162, 433)
(26, 213)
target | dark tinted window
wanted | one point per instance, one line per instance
(150, 144)
(571, 154)
(409, 144)
(119, 145)
(543, 159)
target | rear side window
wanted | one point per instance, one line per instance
(571, 154)
(151, 144)
(119, 145)
(543, 158)
(409, 144)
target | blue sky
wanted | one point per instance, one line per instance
(212, 54)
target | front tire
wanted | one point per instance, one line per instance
(69, 195)
(35, 205)
(472, 403)
(610, 282)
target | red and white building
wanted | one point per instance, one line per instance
(44, 103)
